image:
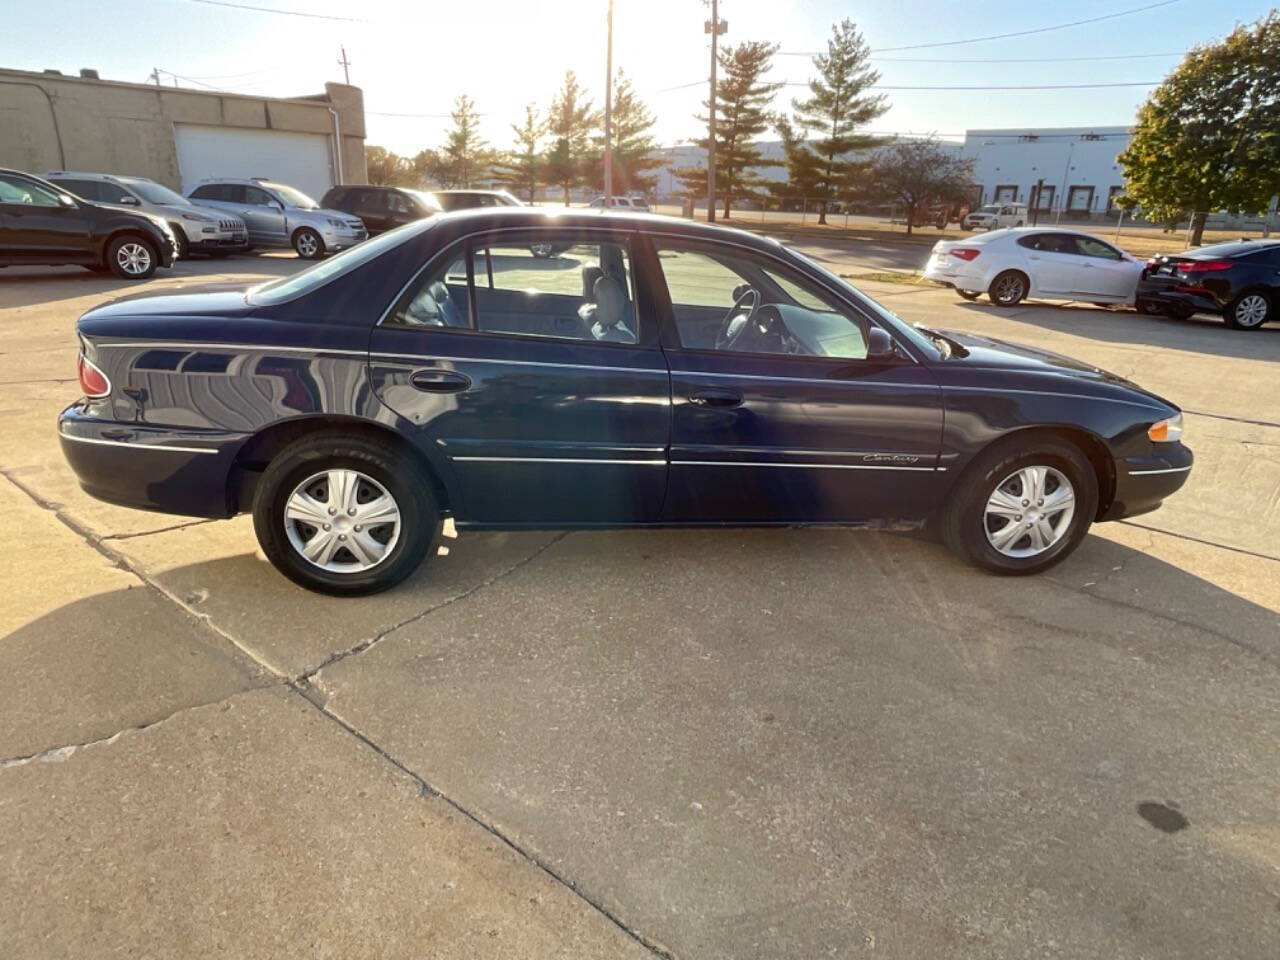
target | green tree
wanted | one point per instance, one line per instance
(522, 167)
(1208, 138)
(919, 173)
(742, 114)
(838, 103)
(570, 124)
(465, 154)
(635, 154)
(387, 168)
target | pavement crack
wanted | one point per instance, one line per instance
(428, 790)
(1208, 543)
(338, 656)
(119, 560)
(65, 751)
(147, 533)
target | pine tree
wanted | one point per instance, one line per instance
(570, 124)
(466, 156)
(838, 103)
(635, 154)
(742, 114)
(523, 166)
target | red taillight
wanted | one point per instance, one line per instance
(93, 381)
(1205, 266)
(965, 253)
(1152, 263)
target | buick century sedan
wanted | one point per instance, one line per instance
(651, 372)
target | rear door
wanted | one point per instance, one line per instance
(777, 414)
(544, 391)
(264, 215)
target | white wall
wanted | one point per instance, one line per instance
(1063, 157)
(302, 160)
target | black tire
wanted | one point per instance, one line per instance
(308, 244)
(132, 257)
(1018, 224)
(1249, 311)
(964, 524)
(969, 294)
(1009, 288)
(184, 245)
(219, 254)
(376, 459)
(1151, 308)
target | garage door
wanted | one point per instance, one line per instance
(301, 160)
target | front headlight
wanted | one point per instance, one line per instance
(198, 218)
(336, 223)
(1166, 431)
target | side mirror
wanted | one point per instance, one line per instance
(880, 345)
(129, 201)
(66, 201)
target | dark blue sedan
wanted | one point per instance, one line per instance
(515, 369)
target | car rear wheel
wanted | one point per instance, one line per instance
(308, 244)
(132, 257)
(345, 515)
(1022, 506)
(1248, 311)
(1008, 289)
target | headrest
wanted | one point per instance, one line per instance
(611, 302)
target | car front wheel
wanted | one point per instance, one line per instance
(308, 244)
(1248, 311)
(345, 515)
(132, 258)
(969, 294)
(1022, 506)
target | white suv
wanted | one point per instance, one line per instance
(996, 216)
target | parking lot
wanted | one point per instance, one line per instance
(720, 744)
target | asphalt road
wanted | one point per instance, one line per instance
(718, 744)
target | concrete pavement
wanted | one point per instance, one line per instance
(689, 744)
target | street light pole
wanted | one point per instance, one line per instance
(608, 114)
(715, 27)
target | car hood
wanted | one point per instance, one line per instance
(215, 299)
(988, 353)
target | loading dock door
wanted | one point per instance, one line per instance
(301, 160)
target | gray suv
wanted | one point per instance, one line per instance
(196, 230)
(279, 215)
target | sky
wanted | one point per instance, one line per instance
(412, 59)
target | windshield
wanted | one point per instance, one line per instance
(155, 193)
(424, 198)
(292, 197)
(989, 208)
(286, 288)
(917, 338)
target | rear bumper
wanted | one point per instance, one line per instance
(167, 470)
(1142, 483)
(1165, 291)
(954, 272)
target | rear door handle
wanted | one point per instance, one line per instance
(1033, 258)
(439, 381)
(716, 397)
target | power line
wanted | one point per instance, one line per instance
(1033, 86)
(233, 76)
(285, 13)
(1027, 33)
(1121, 56)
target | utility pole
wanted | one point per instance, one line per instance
(345, 64)
(155, 75)
(715, 26)
(608, 115)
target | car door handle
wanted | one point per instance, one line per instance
(1087, 265)
(1033, 258)
(716, 397)
(439, 381)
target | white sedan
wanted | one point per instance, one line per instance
(1049, 264)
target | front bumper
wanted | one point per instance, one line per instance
(223, 240)
(170, 470)
(335, 240)
(1143, 482)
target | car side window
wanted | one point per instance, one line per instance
(16, 190)
(397, 203)
(257, 197)
(723, 300)
(438, 297)
(1090, 247)
(575, 290)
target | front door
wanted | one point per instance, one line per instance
(264, 216)
(35, 224)
(1105, 271)
(538, 382)
(777, 413)
(1053, 261)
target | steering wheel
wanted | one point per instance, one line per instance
(734, 323)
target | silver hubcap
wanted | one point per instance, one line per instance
(342, 521)
(1029, 511)
(133, 258)
(1008, 289)
(307, 245)
(1251, 311)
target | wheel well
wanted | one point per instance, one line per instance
(119, 232)
(299, 229)
(263, 446)
(1089, 444)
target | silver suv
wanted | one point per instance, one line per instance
(279, 215)
(196, 230)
